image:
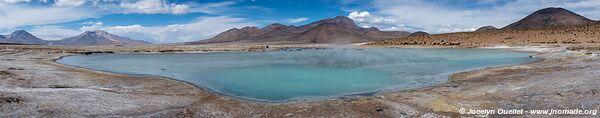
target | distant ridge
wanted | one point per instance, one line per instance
(486, 29)
(340, 29)
(22, 37)
(419, 33)
(98, 37)
(549, 17)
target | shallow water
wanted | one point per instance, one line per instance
(304, 74)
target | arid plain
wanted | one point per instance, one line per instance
(565, 76)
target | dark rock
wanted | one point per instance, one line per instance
(10, 99)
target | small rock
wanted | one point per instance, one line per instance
(289, 114)
(561, 95)
(5, 99)
(5, 73)
(453, 85)
(11, 68)
(379, 110)
(8, 59)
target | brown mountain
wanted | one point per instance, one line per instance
(549, 17)
(98, 38)
(340, 29)
(22, 37)
(486, 29)
(418, 34)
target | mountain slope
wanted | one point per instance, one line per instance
(331, 33)
(486, 29)
(22, 37)
(549, 17)
(340, 29)
(98, 38)
(419, 34)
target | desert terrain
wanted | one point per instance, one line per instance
(33, 85)
(580, 35)
(565, 76)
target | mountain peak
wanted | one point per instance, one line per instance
(274, 25)
(552, 10)
(98, 37)
(549, 17)
(22, 37)
(21, 32)
(486, 28)
(419, 34)
(98, 32)
(343, 20)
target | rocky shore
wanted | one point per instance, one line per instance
(33, 85)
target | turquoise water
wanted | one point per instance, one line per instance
(304, 74)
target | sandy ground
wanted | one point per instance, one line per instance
(32, 85)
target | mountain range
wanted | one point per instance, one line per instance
(340, 29)
(98, 37)
(86, 38)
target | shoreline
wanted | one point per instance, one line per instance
(376, 98)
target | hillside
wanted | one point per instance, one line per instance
(550, 17)
(545, 26)
(554, 35)
(340, 29)
(22, 37)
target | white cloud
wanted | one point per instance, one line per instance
(53, 32)
(92, 27)
(202, 28)
(365, 19)
(17, 13)
(437, 17)
(297, 20)
(359, 15)
(210, 8)
(14, 1)
(14, 15)
(74, 3)
(181, 9)
(154, 6)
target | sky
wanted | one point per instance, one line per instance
(170, 21)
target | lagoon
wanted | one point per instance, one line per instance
(304, 74)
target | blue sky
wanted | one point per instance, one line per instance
(168, 21)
